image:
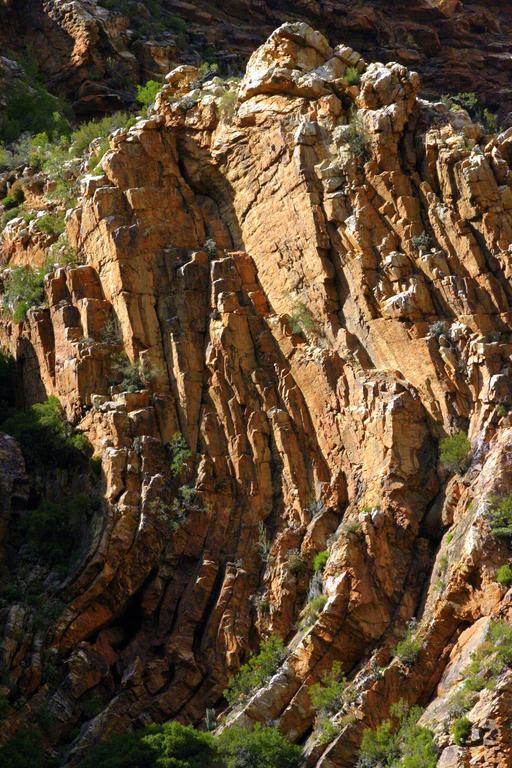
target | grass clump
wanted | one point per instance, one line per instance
(399, 742)
(312, 610)
(47, 440)
(500, 517)
(257, 670)
(408, 649)
(358, 139)
(460, 730)
(504, 575)
(320, 560)
(455, 451)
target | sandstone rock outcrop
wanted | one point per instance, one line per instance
(317, 273)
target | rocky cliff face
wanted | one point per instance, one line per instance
(317, 274)
(92, 51)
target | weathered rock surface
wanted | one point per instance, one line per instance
(320, 298)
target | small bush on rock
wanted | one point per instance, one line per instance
(257, 670)
(500, 516)
(407, 650)
(504, 575)
(259, 747)
(320, 560)
(460, 730)
(405, 744)
(146, 94)
(455, 451)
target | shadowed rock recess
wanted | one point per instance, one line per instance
(314, 264)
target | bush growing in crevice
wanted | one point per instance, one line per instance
(130, 376)
(327, 700)
(460, 730)
(302, 320)
(320, 560)
(408, 649)
(294, 563)
(500, 516)
(358, 138)
(179, 452)
(455, 450)
(399, 742)
(257, 671)
(504, 575)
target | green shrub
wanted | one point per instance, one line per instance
(23, 289)
(8, 216)
(257, 670)
(455, 451)
(52, 223)
(504, 575)
(259, 747)
(320, 560)
(146, 94)
(500, 516)
(131, 377)
(460, 730)
(46, 438)
(406, 744)
(25, 751)
(353, 76)
(407, 650)
(327, 695)
(180, 453)
(30, 108)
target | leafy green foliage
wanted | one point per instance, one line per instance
(24, 750)
(455, 451)
(46, 438)
(320, 560)
(146, 94)
(406, 744)
(460, 730)
(500, 516)
(52, 223)
(31, 108)
(327, 699)
(407, 650)
(504, 575)
(257, 748)
(23, 289)
(353, 76)
(257, 670)
(180, 453)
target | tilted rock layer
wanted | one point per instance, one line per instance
(318, 274)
